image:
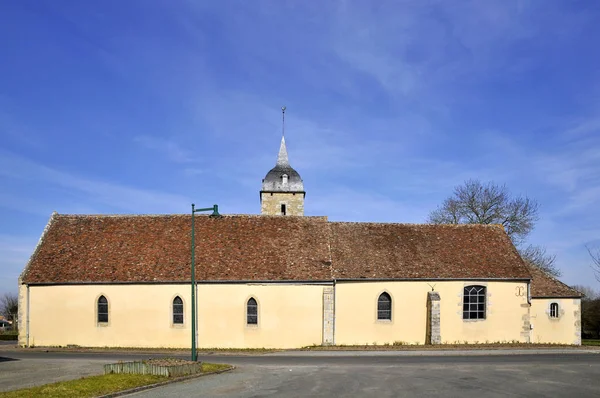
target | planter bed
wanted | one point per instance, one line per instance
(158, 367)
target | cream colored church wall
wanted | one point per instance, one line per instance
(289, 316)
(356, 313)
(140, 316)
(270, 203)
(566, 329)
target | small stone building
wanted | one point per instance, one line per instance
(283, 280)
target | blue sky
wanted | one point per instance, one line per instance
(147, 106)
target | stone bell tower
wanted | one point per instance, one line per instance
(282, 191)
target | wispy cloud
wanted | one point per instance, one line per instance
(14, 253)
(100, 195)
(172, 150)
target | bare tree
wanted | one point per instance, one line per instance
(478, 203)
(9, 306)
(590, 312)
(595, 254)
(537, 256)
(588, 293)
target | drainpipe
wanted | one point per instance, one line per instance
(27, 319)
(334, 311)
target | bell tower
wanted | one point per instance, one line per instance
(282, 191)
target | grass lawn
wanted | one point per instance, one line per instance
(98, 385)
(590, 342)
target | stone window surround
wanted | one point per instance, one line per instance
(559, 311)
(487, 301)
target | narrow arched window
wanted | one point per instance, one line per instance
(177, 310)
(384, 307)
(252, 312)
(554, 310)
(102, 309)
(474, 302)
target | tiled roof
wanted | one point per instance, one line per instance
(545, 285)
(87, 248)
(374, 250)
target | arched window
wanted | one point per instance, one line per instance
(252, 312)
(384, 307)
(474, 302)
(178, 310)
(102, 310)
(554, 310)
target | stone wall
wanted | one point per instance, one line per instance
(433, 318)
(270, 203)
(328, 315)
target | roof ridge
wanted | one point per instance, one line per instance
(421, 224)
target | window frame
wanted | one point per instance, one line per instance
(99, 313)
(554, 314)
(249, 314)
(174, 313)
(478, 299)
(380, 309)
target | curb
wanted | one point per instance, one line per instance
(433, 353)
(164, 383)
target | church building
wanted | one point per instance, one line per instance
(284, 280)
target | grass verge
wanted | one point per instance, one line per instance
(92, 386)
(95, 386)
(589, 342)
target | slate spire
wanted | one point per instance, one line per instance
(282, 157)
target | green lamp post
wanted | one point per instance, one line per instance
(215, 213)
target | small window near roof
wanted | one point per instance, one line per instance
(252, 312)
(177, 310)
(283, 210)
(384, 307)
(554, 310)
(474, 302)
(284, 178)
(102, 310)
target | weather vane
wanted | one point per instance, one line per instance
(283, 108)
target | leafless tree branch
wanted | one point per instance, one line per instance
(595, 255)
(9, 306)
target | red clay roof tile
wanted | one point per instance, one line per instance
(145, 248)
(545, 285)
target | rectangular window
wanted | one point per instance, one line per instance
(474, 302)
(283, 210)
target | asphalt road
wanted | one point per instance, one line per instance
(393, 376)
(296, 374)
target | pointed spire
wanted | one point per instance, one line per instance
(282, 158)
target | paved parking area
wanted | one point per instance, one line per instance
(499, 377)
(22, 373)
(295, 374)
